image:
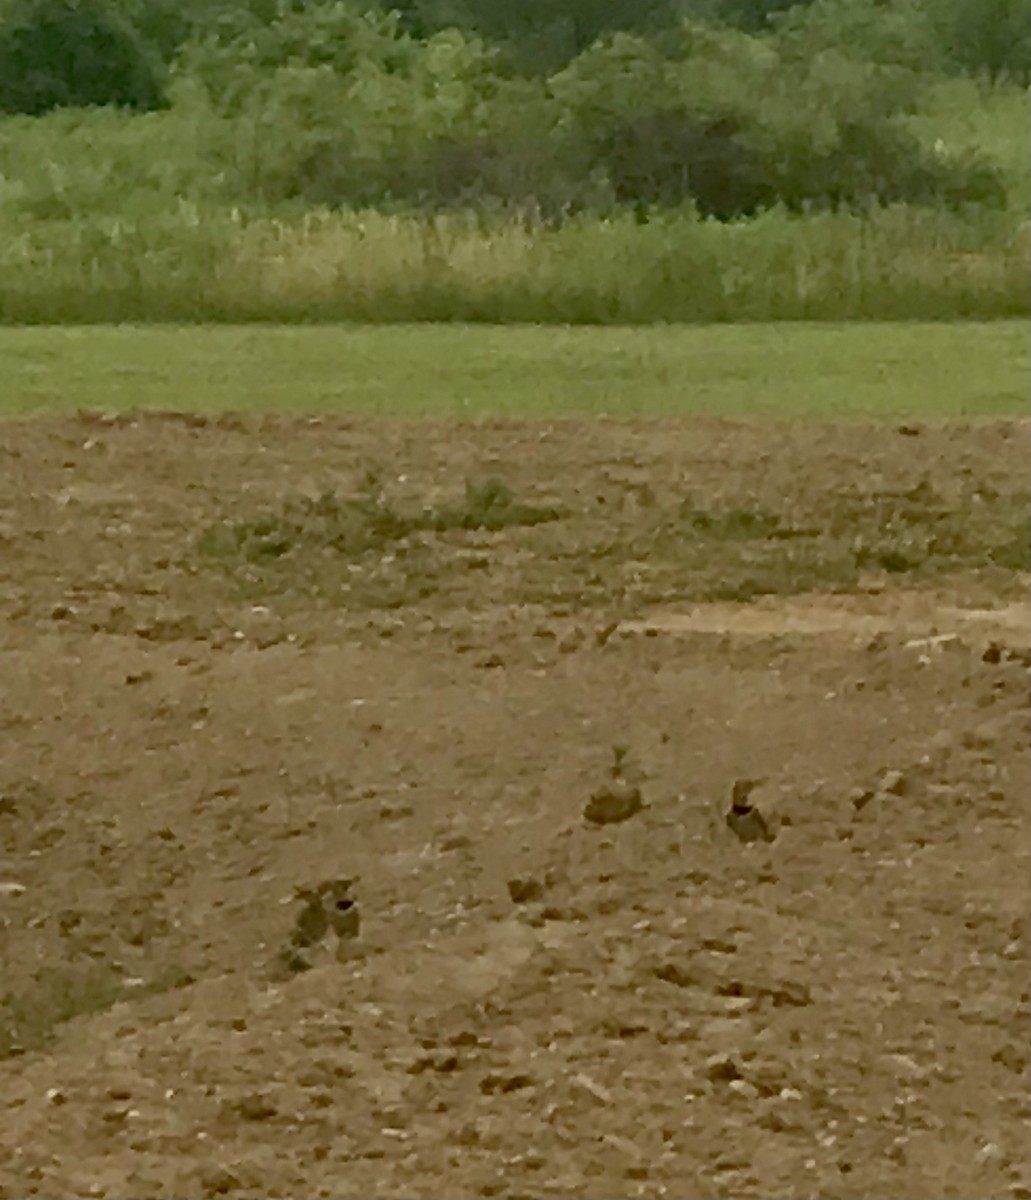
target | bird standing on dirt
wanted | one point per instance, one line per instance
(744, 819)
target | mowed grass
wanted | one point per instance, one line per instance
(864, 370)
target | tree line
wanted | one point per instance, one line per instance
(549, 106)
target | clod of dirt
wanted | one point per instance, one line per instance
(613, 803)
(395, 812)
(219, 1182)
(721, 1068)
(603, 635)
(496, 1082)
(861, 797)
(894, 783)
(744, 819)
(671, 973)
(255, 1108)
(592, 1087)
(993, 654)
(525, 891)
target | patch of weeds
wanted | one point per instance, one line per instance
(921, 531)
(349, 527)
(362, 550)
(492, 505)
(725, 524)
(739, 551)
(1014, 553)
(29, 1019)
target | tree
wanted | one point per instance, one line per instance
(72, 53)
(990, 36)
(540, 36)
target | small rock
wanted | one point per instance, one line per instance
(255, 1108)
(894, 783)
(743, 1088)
(905, 1066)
(671, 973)
(457, 842)
(789, 992)
(10, 888)
(595, 1089)
(613, 803)
(859, 798)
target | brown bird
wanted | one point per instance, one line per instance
(744, 819)
(344, 918)
(312, 922)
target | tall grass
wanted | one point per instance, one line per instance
(111, 217)
(193, 263)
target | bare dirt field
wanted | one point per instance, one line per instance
(246, 660)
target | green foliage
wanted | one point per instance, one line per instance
(735, 123)
(540, 36)
(578, 195)
(237, 53)
(901, 33)
(755, 16)
(990, 36)
(72, 53)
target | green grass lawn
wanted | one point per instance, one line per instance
(857, 370)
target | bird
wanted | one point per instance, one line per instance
(744, 819)
(342, 909)
(312, 922)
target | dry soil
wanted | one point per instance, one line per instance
(199, 719)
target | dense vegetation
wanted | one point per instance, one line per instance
(161, 157)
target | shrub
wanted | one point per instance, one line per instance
(735, 123)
